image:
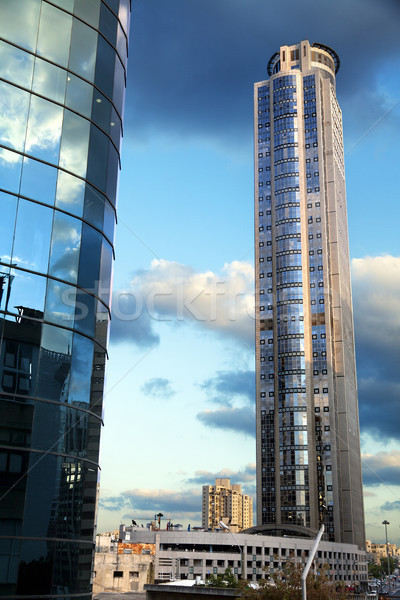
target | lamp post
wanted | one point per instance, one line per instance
(386, 523)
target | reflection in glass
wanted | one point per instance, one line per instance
(89, 11)
(105, 63)
(54, 34)
(60, 303)
(24, 289)
(97, 158)
(14, 104)
(8, 206)
(81, 370)
(44, 130)
(54, 363)
(74, 143)
(70, 193)
(16, 65)
(38, 181)
(79, 95)
(108, 25)
(65, 246)
(82, 60)
(20, 26)
(84, 316)
(90, 263)
(105, 271)
(49, 80)
(32, 236)
(10, 170)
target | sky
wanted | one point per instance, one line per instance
(179, 406)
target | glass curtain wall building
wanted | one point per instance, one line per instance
(62, 82)
(308, 447)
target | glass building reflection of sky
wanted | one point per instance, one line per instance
(308, 452)
(63, 72)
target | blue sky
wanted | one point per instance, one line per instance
(179, 409)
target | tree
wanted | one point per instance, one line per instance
(226, 580)
(285, 584)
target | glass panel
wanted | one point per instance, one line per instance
(44, 130)
(89, 11)
(81, 371)
(121, 44)
(85, 313)
(101, 111)
(108, 25)
(38, 181)
(32, 236)
(67, 4)
(54, 34)
(8, 208)
(16, 65)
(94, 207)
(109, 222)
(105, 272)
(70, 193)
(82, 58)
(112, 174)
(14, 105)
(79, 95)
(102, 331)
(65, 246)
(10, 170)
(90, 263)
(54, 366)
(74, 143)
(60, 303)
(115, 128)
(20, 26)
(105, 67)
(124, 13)
(49, 80)
(24, 290)
(119, 86)
(98, 158)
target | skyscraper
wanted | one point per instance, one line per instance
(62, 81)
(308, 447)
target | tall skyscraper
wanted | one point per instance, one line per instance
(62, 81)
(308, 446)
(225, 502)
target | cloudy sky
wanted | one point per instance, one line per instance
(179, 409)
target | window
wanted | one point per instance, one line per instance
(133, 573)
(326, 408)
(118, 574)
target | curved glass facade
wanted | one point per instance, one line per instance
(306, 398)
(62, 81)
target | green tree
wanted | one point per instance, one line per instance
(226, 580)
(285, 584)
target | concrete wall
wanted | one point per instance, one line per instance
(122, 572)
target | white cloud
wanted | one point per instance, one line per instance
(169, 291)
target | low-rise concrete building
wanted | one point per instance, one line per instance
(184, 555)
(123, 567)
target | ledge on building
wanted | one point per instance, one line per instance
(183, 591)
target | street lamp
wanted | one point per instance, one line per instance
(386, 523)
(241, 550)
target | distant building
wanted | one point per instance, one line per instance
(380, 551)
(225, 502)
